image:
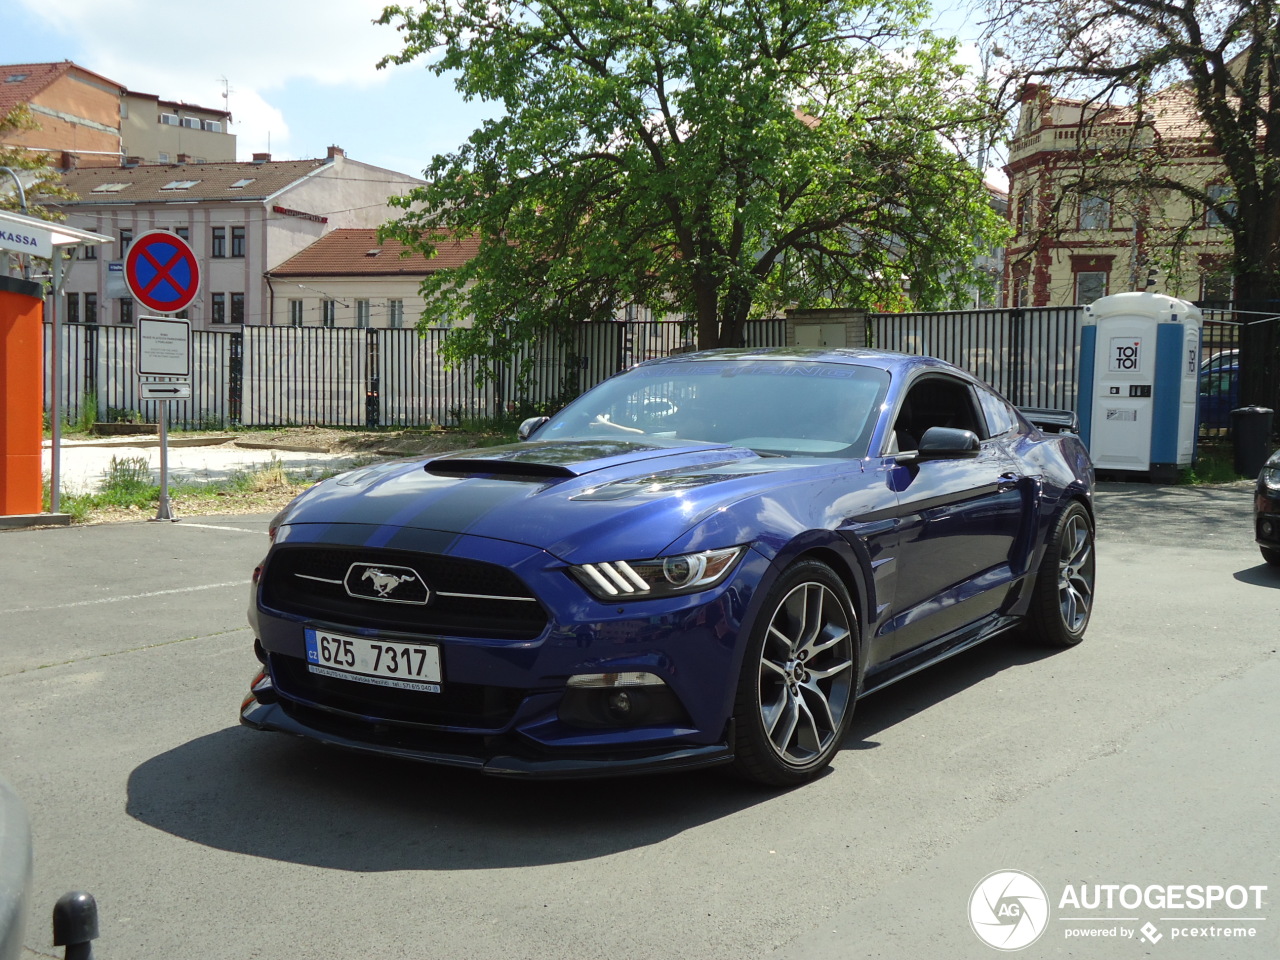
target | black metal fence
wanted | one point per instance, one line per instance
(346, 376)
(1030, 355)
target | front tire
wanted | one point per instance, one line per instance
(799, 678)
(1270, 555)
(1063, 599)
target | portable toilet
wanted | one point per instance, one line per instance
(1139, 383)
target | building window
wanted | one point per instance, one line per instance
(213, 126)
(237, 241)
(295, 313)
(73, 308)
(237, 308)
(163, 157)
(395, 314)
(1024, 213)
(169, 119)
(328, 312)
(90, 308)
(1091, 285)
(183, 233)
(362, 313)
(126, 309)
(182, 315)
(1218, 204)
(90, 252)
(126, 238)
(218, 242)
(219, 314)
(191, 123)
(1217, 287)
(1095, 213)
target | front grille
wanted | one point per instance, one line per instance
(457, 705)
(313, 582)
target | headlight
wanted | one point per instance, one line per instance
(662, 577)
(1271, 477)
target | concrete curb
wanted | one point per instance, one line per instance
(144, 440)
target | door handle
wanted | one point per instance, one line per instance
(1007, 481)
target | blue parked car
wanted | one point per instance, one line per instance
(704, 560)
(1219, 389)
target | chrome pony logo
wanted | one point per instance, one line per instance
(379, 581)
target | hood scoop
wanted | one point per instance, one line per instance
(510, 469)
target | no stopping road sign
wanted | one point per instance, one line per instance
(161, 272)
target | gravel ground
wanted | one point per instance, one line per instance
(302, 454)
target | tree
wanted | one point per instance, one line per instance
(1135, 58)
(40, 180)
(716, 159)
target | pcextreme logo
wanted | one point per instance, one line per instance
(1008, 910)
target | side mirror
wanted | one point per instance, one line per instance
(948, 443)
(530, 427)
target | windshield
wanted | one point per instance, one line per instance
(785, 407)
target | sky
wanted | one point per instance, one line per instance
(298, 75)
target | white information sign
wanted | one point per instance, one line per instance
(164, 347)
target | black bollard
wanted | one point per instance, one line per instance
(75, 924)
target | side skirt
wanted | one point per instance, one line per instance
(936, 652)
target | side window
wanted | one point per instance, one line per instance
(935, 400)
(1001, 418)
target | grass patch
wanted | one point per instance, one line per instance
(129, 487)
(1215, 463)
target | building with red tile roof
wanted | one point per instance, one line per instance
(348, 278)
(242, 220)
(1074, 243)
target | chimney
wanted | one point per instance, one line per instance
(69, 160)
(336, 152)
(184, 158)
(132, 161)
(262, 158)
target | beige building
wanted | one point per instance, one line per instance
(1082, 227)
(348, 278)
(241, 219)
(167, 131)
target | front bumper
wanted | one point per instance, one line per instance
(528, 765)
(503, 707)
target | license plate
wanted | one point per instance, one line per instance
(384, 663)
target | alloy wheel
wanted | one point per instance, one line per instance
(806, 673)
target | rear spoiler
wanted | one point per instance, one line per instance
(1052, 421)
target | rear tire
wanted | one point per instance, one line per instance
(798, 682)
(1063, 599)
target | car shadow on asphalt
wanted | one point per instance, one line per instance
(1263, 575)
(287, 799)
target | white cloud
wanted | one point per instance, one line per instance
(182, 51)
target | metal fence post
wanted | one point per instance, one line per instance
(372, 401)
(235, 379)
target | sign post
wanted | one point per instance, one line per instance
(163, 274)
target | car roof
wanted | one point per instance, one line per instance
(888, 360)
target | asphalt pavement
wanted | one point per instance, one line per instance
(1144, 760)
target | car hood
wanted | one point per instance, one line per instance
(580, 500)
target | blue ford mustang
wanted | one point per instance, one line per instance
(704, 560)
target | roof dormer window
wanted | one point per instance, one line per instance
(179, 184)
(242, 183)
(109, 187)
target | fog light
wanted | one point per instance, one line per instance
(261, 689)
(626, 699)
(620, 704)
(1267, 529)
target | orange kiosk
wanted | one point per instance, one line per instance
(21, 395)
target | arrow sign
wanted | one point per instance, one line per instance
(162, 272)
(164, 391)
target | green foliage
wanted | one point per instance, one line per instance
(715, 161)
(43, 184)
